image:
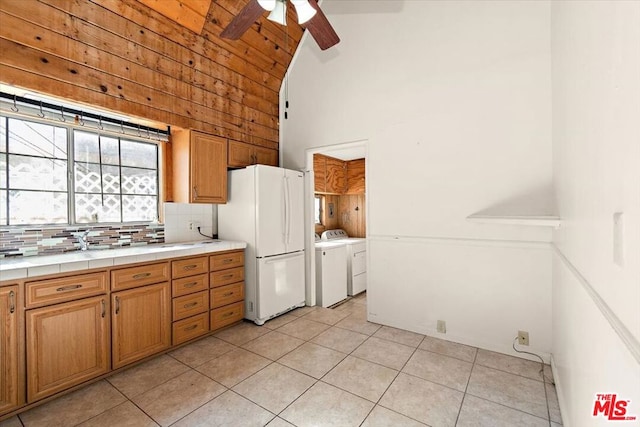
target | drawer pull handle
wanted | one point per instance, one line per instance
(228, 294)
(104, 308)
(68, 288)
(191, 328)
(117, 305)
(12, 302)
(191, 304)
(141, 276)
(189, 267)
(231, 313)
(190, 285)
(227, 276)
(227, 261)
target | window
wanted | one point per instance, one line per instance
(57, 174)
(318, 210)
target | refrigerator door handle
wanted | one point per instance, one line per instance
(280, 258)
(288, 211)
(285, 219)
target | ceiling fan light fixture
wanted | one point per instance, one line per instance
(267, 4)
(279, 13)
(304, 10)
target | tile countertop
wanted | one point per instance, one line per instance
(20, 268)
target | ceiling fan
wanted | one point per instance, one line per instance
(309, 15)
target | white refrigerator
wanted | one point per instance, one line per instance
(265, 209)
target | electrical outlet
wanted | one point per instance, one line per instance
(442, 326)
(523, 337)
(192, 225)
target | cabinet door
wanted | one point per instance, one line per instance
(141, 323)
(320, 173)
(208, 168)
(355, 177)
(240, 154)
(67, 344)
(336, 176)
(266, 156)
(8, 348)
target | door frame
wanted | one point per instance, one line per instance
(309, 192)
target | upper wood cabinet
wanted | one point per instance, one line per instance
(320, 173)
(199, 167)
(355, 177)
(330, 174)
(334, 176)
(9, 396)
(242, 154)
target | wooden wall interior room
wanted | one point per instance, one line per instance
(342, 184)
(125, 57)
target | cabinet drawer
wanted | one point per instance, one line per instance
(228, 260)
(226, 277)
(189, 267)
(188, 329)
(224, 295)
(190, 305)
(141, 275)
(189, 285)
(227, 315)
(60, 289)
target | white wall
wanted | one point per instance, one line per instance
(596, 152)
(454, 100)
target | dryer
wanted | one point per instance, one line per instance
(356, 259)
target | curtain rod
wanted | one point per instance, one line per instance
(72, 111)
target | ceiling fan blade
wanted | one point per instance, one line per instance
(243, 20)
(321, 29)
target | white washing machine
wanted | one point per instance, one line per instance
(356, 259)
(331, 273)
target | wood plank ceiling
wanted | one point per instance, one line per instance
(123, 56)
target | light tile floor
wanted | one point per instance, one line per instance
(314, 367)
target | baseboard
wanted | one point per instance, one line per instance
(559, 388)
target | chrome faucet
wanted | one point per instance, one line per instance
(82, 239)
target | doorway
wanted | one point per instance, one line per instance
(341, 203)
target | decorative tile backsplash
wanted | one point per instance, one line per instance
(40, 240)
(52, 240)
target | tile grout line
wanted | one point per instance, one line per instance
(464, 395)
(377, 403)
(476, 363)
(233, 347)
(276, 361)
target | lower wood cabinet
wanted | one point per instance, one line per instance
(227, 289)
(190, 328)
(9, 396)
(141, 322)
(59, 331)
(67, 344)
(226, 315)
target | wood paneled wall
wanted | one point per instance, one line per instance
(122, 56)
(349, 205)
(351, 215)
